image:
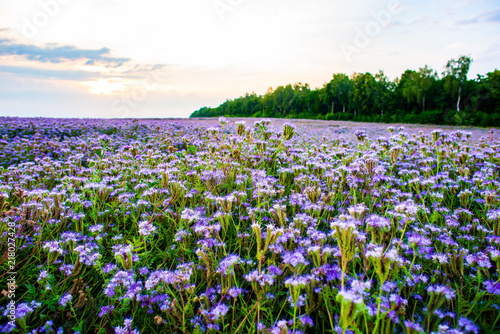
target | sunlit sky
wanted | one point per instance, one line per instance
(123, 58)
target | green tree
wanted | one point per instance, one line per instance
(302, 98)
(363, 93)
(455, 75)
(289, 101)
(268, 101)
(415, 97)
(485, 103)
(341, 87)
(382, 93)
(327, 98)
(418, 84)
(278, 98)
(492, 96)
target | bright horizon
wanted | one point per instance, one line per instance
(121, 59)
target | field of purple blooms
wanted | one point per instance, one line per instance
(155, 226)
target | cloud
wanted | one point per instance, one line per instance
(414, 21)
(486, 16)
(58, 54)
(146, 68)
(493, 16)
(467, 21)
(492, 52)
(25, 71)
(73, 75)
(455, 46)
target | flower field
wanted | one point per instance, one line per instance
(155, 226)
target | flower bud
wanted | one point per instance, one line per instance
(288, 131)
(240, 128)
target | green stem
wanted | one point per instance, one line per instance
(379, 300)
(403, 234)
(245, 318)
(329, 314)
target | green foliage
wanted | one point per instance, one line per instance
(415, 97)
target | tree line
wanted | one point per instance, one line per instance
(420, 96)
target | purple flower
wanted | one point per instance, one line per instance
(398, 300)
(143, 271)
(274, 271)
(65, 299)
(179, 277)
(146, 228)
(407, 208)
(219, 311)
(43, 274)
(261, 279)
(67, 269)
(344, 223)
(23, 309)
(106, 310)
(360, 134)
(88, 254)
(53, 247)
(294, 259)
(96, 228)
(301, 301)
(441, 289)
(493, 215)
(492, 287)
(350, 295)
(190, 215)
(480, 260)
(127, 328)
(234, 292)
(121, 278)
(375, 252)
(109, 267)
(222, 121)
(468, 325)
(357, 211)
(378, 222)
(413, 325)
(360, 287)
(299, 281)
(440, 258)
(181, 234)
(305, 320)
(226, 265)
(418, 240)
(122, 250)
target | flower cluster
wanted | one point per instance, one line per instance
(205, 226)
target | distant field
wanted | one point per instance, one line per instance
(348, 128)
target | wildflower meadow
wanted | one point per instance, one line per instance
(156, 226)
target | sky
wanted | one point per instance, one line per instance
(163, 58)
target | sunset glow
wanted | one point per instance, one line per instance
(104, 87)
